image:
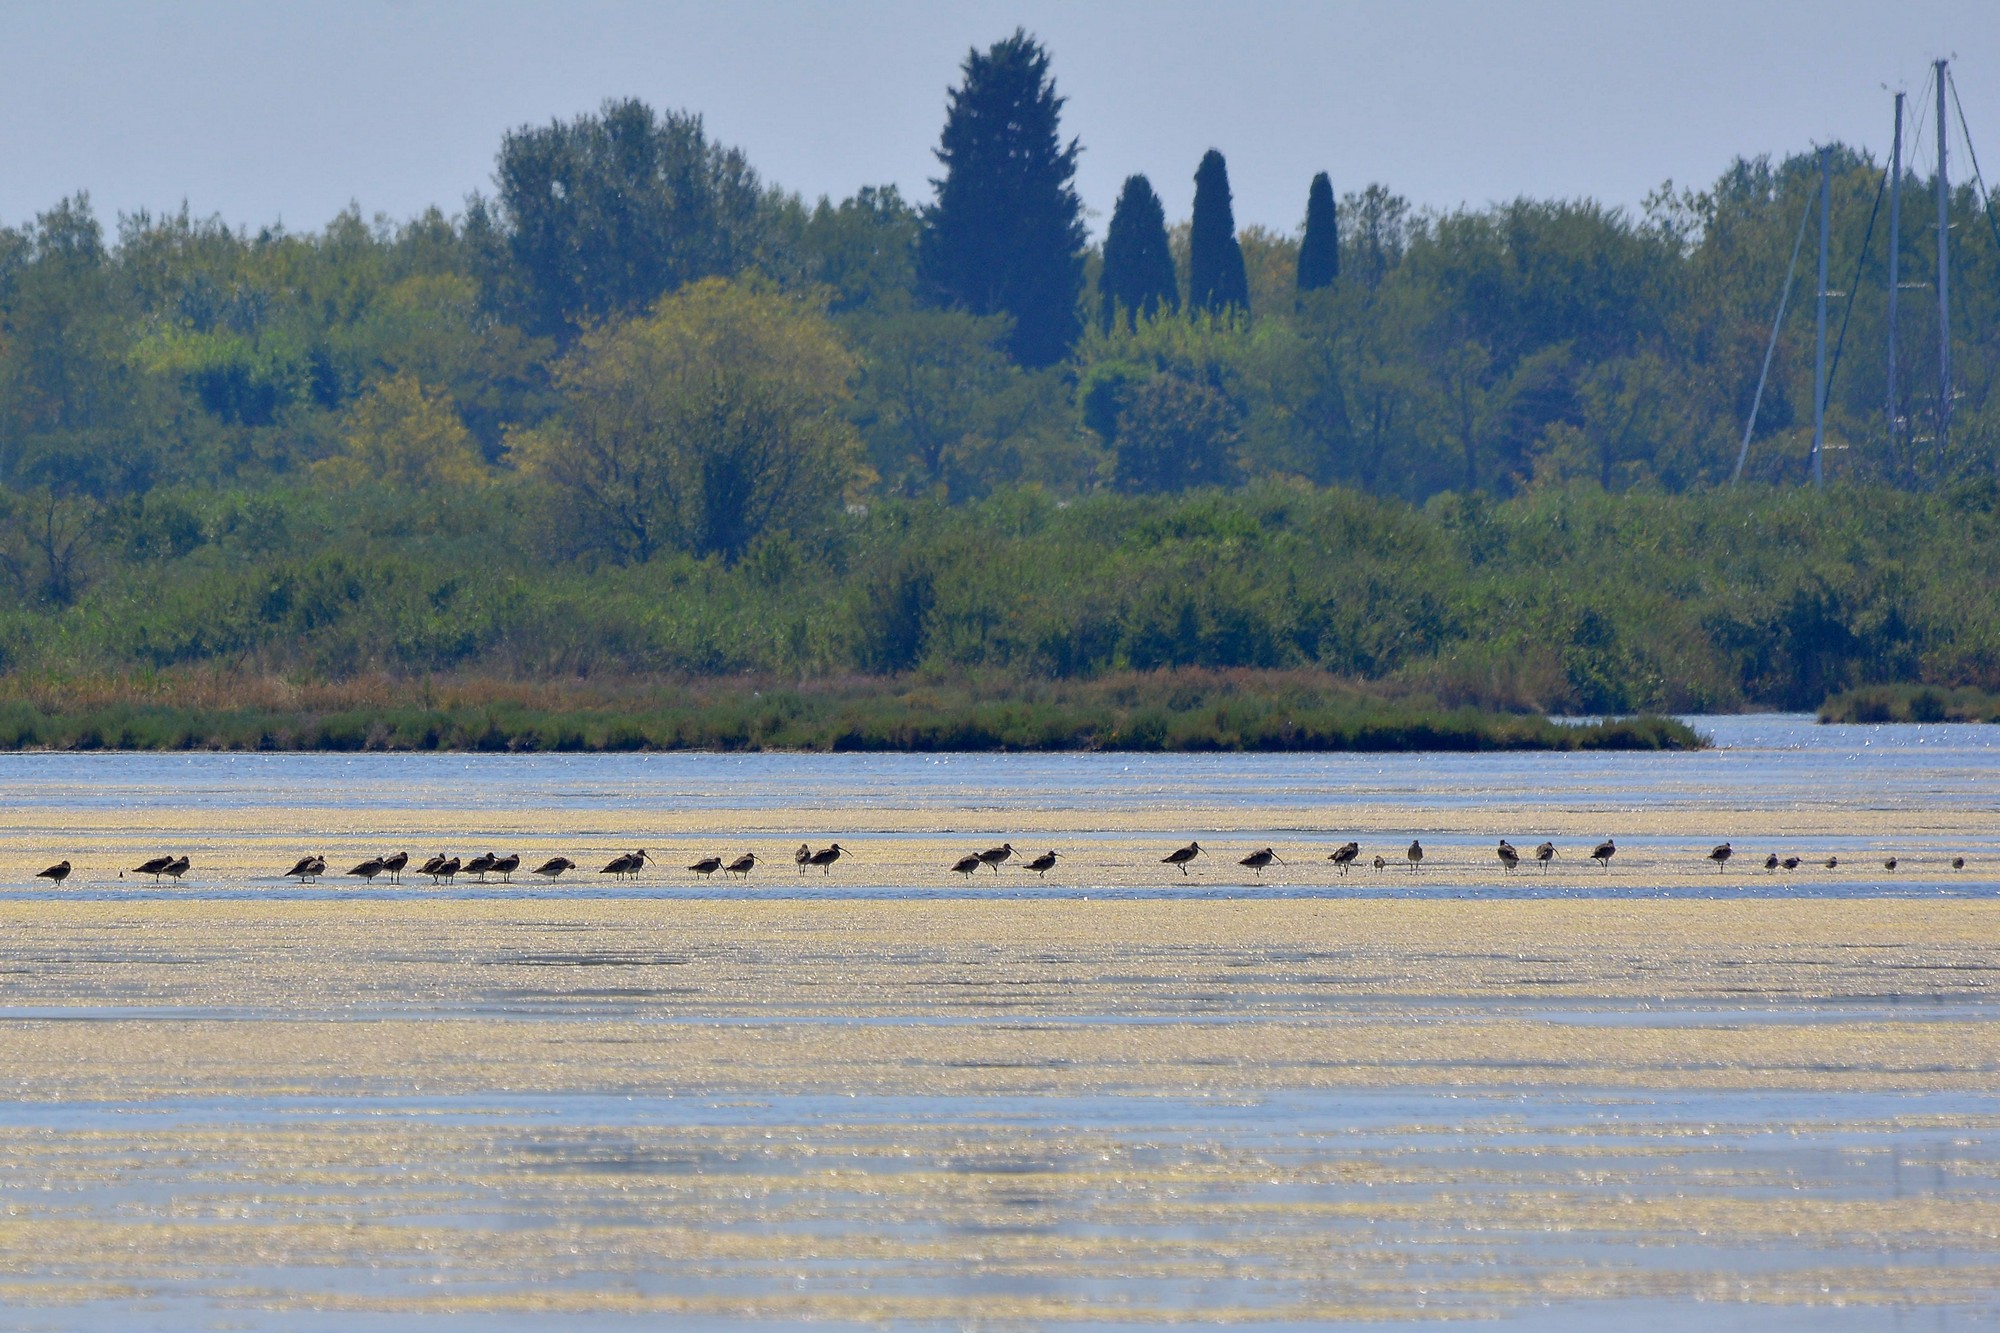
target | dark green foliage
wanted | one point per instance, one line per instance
(1005, 235)
(606, 213)
(1217, 282)
(1138, 279)
(1911, 703)
(1319, 247)
(1174, 434)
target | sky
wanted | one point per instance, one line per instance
(287, 111)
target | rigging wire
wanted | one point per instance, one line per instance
(1854, 286)
(1770, 350)
(1985, 197)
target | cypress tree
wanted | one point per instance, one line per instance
(1319, 249)
(1138, 277)
(1216, 280)
(1005, 234)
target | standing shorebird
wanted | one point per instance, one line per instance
(1180, 856)
(801, 856)
(446, 869)
(1545, 854)
(552, 868)
(965, 865)
(1790, 863)
(55, 874)
(708, 865)
(394, 866)
(307, 867)
(993, 856)
(1720, 854)
(1414, 854)
(742, 865)
(1260, 858)
(1508, 856)
(431, 866)
(1833, 863)
(505, 866)
(1603, 852)
(155, 867)
(825, 857)
(179, 866)
(1889, 863)
(369, 869)
(480, 864)
(1042, 864)
(1958, 863)
(1343, 856)
(1381, 864)
(1770, 863)
(631, 863)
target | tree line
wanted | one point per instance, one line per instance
(636, 350)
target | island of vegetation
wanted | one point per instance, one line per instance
(642, 451)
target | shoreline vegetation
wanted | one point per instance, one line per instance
(1167, 711)
(1911, 703)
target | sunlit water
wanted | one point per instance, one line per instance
(986, 1189)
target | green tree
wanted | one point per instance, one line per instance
(1005, 234)
(1319, 250)
(1138, 275)
(1217, 282)
(604, 213)
(718, 418)
(1175, 433)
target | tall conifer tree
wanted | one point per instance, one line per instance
(1005, 235)
(1138, 278)
(1216, 280)
(1319, 249)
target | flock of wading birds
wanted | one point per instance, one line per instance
(443, 869)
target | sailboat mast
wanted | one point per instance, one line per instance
(1895, 255)
(1943, 275)
(1819, 345)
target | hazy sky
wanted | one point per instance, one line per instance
(287, 111)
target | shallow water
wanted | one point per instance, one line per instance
(1643, 1096)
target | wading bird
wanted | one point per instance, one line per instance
(1790, 863)
(479, 865)
(179, 866)
(394, 866)
(505, 866)
(708, 865)
(742, 865)
(1343, 856)
(1180, 856)
(1508, 856)
(305, 868)
(1380, 864)
(825, 857)
(1603, 853)
(446, 869)
(368, 869)
(155, 867)
(1833, 863)
(432, 866)
(1889, 863)
(1545, 854)
(1770, 863)
(55, 874)
(1260, 858)
(993, 856)
(552, 868)
(1958, 863)
(965, 865)
(1414, 854)
(1042, 864)
(628, 864)
(1720, 854)
(801, 856)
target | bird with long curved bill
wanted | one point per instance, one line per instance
(1260, 858)
(742, 865)
(1043, 864)
(1180, 856)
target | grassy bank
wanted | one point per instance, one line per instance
(1911, 703)
(1185, 711)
